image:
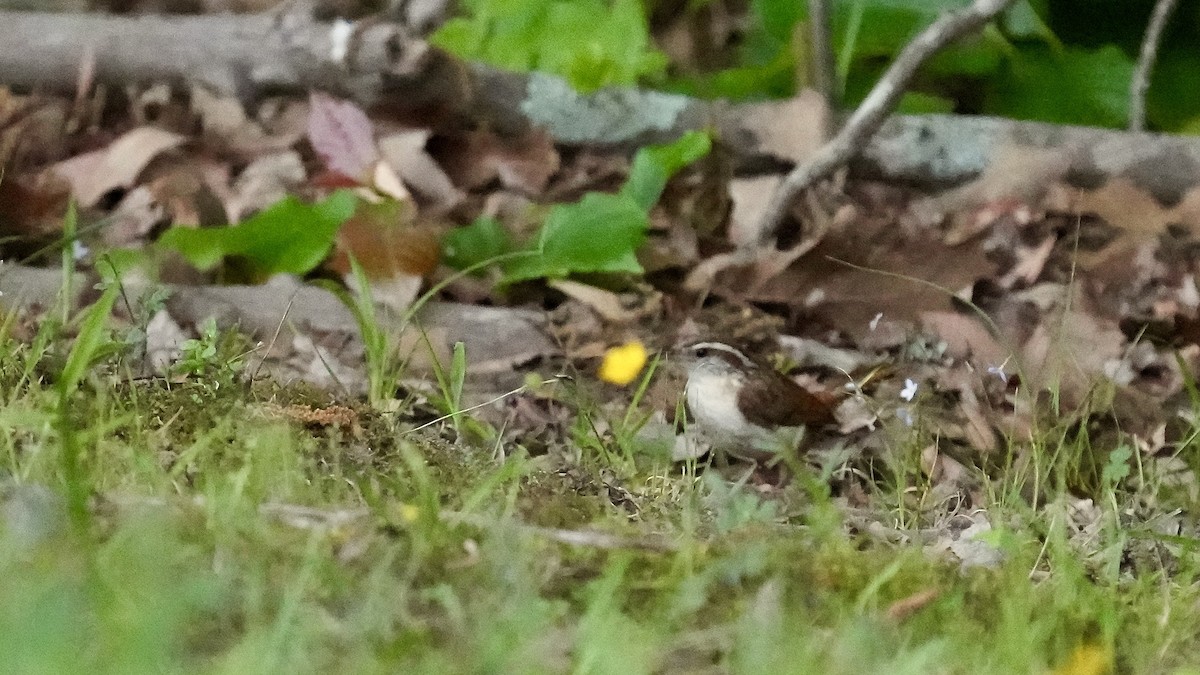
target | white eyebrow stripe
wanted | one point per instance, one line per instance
(718, 346)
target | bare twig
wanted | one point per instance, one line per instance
(821, 65)
(880, 103)
(1145, 65)
(488, 402)
(582, 538)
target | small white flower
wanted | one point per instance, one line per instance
(998, 371)
(909, 391)
(904, 414)
(78, 250)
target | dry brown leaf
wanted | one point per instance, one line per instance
(750, 197)
(1016, 175)
(264, 182)
(605, 303)
(395, 251)
(33, 205)
(386, 182)
(94, 174)
(31, 130)
(943, 469)
(135, 216)
(279, 125)
(522, 164)
(1030, 263)
(906, 607)
(965, 336)
(405, 152)
(849, 299)
(1072, 348)
(791, 130)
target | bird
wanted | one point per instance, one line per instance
(746, 408)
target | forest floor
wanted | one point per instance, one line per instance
(219, 453)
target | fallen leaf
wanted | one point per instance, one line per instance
(227, 127)
(522, 164)
(966, 337)
(265, 181)
(750, 197)
(33, 205)
(791, 130)
(342, 135)
(906, 607)
(387, 241)
(385, 181)
(405, 152)
(94, 174)
(604, 302)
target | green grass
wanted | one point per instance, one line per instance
(219, 537)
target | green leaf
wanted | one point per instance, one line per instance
(89, 341)
(288, 237)
(1117, 468)
(977, 56)
(599, 233)
(653, 166)
(1022, 21)
(778, 18)
(916, 103)
(458, 375)
(1170, 103)
(591, 43)
(776, 79)
(482, 240)
(1074, 86)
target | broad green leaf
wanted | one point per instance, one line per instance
(288, 237)
(482, 240)
(1023, 21)
(1171, 101)
(775, 79)
(778, 18)
(599, 233)
(1074, 86)
(653, 166)
(975, 56)
(591, 43)
(916, 103)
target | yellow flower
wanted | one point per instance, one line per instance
(1087, 659)
(409, 513)
(622, 364)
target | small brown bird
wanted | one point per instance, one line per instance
(747, 408)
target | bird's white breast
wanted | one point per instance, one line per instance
(712, 398)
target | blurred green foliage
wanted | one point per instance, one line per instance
(592, 43)
(1064, 61)
(600, 233)
(289, 237)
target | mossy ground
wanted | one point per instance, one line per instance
(225, 534)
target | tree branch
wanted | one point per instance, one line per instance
(821, 70)
(1145, 65)
(880, 103)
